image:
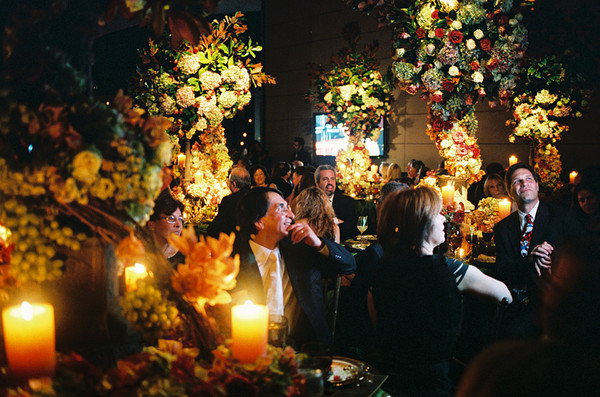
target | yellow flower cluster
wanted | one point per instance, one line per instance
(354, 174)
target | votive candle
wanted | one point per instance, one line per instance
(512, 160)
(572, 177)
(133, 274)
(374, 168)
(29, 340)
(448, 195)
(249, 331)
(504, 208)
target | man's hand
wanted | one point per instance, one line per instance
(301, 232)
(541, 256)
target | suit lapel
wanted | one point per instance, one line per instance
(540, 225)
(514, 230)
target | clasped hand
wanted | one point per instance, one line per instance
(301, 232)
(541, 257)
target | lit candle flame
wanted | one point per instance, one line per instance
(26, 311)
(139, 268)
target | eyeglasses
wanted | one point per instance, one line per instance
(173, 219)
(282, 208)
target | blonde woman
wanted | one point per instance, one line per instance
(394, 172)
(313, 207)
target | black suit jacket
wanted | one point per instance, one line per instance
(306, 269)
(344, 210)
(553, 224)
(225, 221)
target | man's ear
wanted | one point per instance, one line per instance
(259, 225)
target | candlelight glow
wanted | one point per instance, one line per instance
(4, 233)
(512, 160)
(26, 311)
(572, 177)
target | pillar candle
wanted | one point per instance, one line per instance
(512, 160)
(249, 325)
(504, 208)
(133, 274)
(29, 340)
(448, 195)
(181, 159)
(197, 177)
(572, 177)
(374, 168)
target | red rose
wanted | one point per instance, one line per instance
(474, 65)
(448, 85)
(475, 151)
(420, 33)
(455, 36)
(437, 96)
(492, 64)
(448, 125)
(439, 33)
(434, 14)
(438, 125)
(239, 386)
(503, 20)
(486, 44)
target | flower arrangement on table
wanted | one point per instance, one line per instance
(552, 96)
(457, 53)
(196, 87)
(354, 174)
(71, 166)
(170, 369)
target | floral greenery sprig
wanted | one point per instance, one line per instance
(354, 174)
(353, 92)
(197, 86)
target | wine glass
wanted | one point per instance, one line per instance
(362, 224)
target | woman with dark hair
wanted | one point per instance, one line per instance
(260, 176)
(587, 194)
(312, 206)
(167, 219)
(416, 294)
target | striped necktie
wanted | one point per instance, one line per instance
(526, 235)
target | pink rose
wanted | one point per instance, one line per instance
(458, 136)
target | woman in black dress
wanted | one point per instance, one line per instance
(416, 294)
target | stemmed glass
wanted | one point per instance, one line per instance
(362, 224)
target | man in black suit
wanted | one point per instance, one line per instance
(282, 264)
(299, 154)
(342, 205)
(282, 180)
(525, 241)
(225, 222)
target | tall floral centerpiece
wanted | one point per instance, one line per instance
(71, 166)
(356, 96)
(196, 87)
(552, 96)
(458, 53)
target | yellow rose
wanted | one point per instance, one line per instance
(86, 165)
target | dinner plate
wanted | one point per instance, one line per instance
(345, 371)
(370, 237)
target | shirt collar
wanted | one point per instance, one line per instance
(533, 213)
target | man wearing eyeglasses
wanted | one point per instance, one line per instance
(282, 264)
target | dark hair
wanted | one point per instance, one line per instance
(165, 204)
(251, 207)
(513, 168)
(283, 168)
(390, 187)
(261, 167)
(589, 184)
(407, 217)
(299, 140)
(494, 168)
